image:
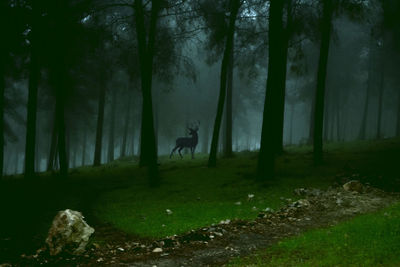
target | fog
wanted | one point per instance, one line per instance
(98, 49)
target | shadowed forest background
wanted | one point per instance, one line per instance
(109, 82)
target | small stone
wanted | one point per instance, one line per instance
(250, 196)
(100, 260)
(121, 249)
(354, 186)
(238, 203)
(168, 211)
(157, 250)
(268, 210)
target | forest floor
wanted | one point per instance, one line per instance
(230, 217)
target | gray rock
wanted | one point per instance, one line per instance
(69, 233)
(354, 186)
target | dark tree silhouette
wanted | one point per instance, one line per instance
(100, 118)
(34, 72)
(276, 65)
(363, 128)
(321, 80)
(234, 6)
(112, 126)
(146, 41)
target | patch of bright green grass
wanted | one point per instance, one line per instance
(368, 240)
(199, 196)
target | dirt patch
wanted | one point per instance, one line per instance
(217, 244)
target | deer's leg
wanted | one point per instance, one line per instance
(179, 151)
(192, 152)
(172, 152)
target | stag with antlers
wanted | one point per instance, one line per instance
(189, 142)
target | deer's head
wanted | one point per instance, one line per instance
(193, 129)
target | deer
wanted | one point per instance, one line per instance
(189, 142)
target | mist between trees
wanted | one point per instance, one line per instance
(89, 82)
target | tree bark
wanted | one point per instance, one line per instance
(111, 147)
(84, 146)
(100, 122)
(398, 114)
(62, 152)
(228, 111)
(34, 72)
(380, 103)
(363, 128)
(148, 155)
(272, 107)
(126, 127)
(53, 145)
(321, 81)
(212, 160)
(2, 89)
(281, 101)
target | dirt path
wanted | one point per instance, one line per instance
(217, 244)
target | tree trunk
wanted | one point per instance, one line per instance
(282, 90)
(2, 89)
(148, 155)
(228, 111)
(363, 128)
(111, 147)
(62, 152)
(380, 104)
(398, 115)
(212, 160)
(100, 122)
(126, 127)
(321, 81)
(272, 107)
(84, 146)
(53, 145)
(34, 72)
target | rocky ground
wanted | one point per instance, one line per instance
(217, 244)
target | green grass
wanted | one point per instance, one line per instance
(368, 240)
(118, 192)
(199, 196)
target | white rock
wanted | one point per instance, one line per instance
(69, 233)
(157, 250)
(168, 211)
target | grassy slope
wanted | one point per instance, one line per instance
(200, 196)
(118, 192)
(368, 240)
